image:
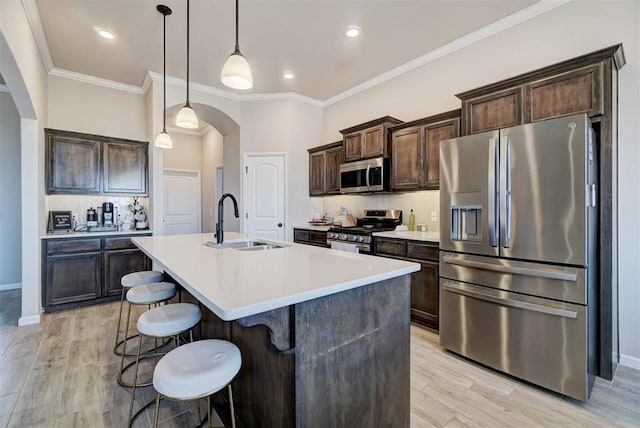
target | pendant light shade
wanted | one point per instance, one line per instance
(163, 140)
(236, 73)
(187, 118)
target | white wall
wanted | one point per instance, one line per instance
(186, 152)
(290, 127)
(212, 156)
(83, 107)
(576, 28)
(10, 198)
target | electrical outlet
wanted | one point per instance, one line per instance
(434, 215)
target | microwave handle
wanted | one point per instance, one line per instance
(368, 172)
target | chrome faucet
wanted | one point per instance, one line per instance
(219, 232)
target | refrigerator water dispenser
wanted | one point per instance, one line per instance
(466, 212)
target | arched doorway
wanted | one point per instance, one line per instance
(212, 148)
(31, 201)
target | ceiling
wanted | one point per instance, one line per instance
(304, 36)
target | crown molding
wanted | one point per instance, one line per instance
(196, 133)
(4, 88)
(205, 89)
(505, 23)
(99, 81)
(33, 16)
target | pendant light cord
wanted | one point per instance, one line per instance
(237, 25)
(164, 72)
(188, 15)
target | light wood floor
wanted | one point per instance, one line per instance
(61, 373)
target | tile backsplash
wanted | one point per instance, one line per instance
(423, 203)
(78, 204)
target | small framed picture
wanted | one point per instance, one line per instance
(60, 221)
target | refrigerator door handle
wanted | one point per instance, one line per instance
(505, 193)
(550, 274)
(454, 288)
(494, 166)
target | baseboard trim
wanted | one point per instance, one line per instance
(629, 361)
(33, 319)
(13, 286)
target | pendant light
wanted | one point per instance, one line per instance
(186, 116)
(163, 140)
(236, 73)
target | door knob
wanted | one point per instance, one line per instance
(279, 224)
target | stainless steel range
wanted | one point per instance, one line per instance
(360, 235)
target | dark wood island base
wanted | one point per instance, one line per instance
(336, 361)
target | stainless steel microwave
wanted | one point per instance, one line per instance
(370, 175)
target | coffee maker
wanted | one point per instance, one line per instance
(107, 214)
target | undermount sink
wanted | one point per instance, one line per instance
(245, 245)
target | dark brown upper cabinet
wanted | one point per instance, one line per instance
(585, 84)
(324, 169)
(563, 89)
(92, 164)
(124, 167)
(415, 148)
(72, 164)
(494, 111)
(368, 140)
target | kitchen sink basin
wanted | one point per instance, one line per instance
(250, 245)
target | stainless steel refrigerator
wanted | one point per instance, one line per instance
(518, 256)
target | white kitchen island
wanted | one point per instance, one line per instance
(324, 334)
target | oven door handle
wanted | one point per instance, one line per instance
(458, 289)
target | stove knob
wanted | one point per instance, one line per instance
(330, 235)
(360, 238)
(353, 238)
(343, 236)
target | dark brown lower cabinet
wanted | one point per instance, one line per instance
(425, 298)
(310, 237)
(72, 278)
(85, 271)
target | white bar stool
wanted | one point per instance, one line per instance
(128, 281)
(143, 294)
(197, 370)
(162, 322)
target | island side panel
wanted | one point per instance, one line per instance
(264, 389)
(352, 357)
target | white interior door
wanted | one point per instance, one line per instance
(181, 202)
(264, 199)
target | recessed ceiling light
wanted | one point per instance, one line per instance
(288, 75)
(353, 31)
(106, 34)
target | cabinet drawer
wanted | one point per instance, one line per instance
(318, 237)
(120, 243)
(69, 246)
(422, 251)
(300, 235)
(391, 247)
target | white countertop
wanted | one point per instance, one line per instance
(234, 284)
(92, 234)
(319, 227)
(429, 236)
